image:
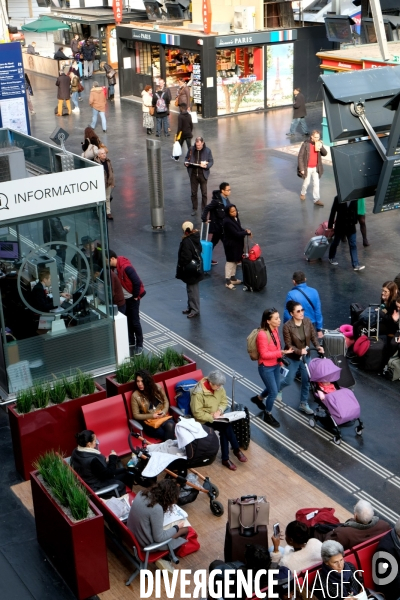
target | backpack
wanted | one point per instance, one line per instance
(392, 369)
(161, 105)
(182, 394)
(252, 344)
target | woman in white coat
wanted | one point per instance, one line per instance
(148, 121)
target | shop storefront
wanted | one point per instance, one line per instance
(227, 74)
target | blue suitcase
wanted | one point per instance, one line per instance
(206, 249)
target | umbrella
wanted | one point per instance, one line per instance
(323, 370)
(44, 24)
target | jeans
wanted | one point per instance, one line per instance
(272, 380)
(295, 122)
(352, 239)
(311, 175)
(160, 123)
(134, 327)
(294, 367)
(74, 98)
(226, 436)
(110, 90)
(102, 117)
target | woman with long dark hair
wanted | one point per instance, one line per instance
(150, 406)
(233, 241)
(269, 363)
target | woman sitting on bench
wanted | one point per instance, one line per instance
(150, 406)
(334, 571)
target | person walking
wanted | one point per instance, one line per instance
(307, 297)
(361, 212)
(147, 102)
(111, 80)
(76, 68)
(310, 165)
(74, 91)
(133, 292)
(183, 95)
(345, 225)
(29, 94)
(89, 53)
(109, 180)
(98, 102)
(75, 45)
(299, 112)
(190, 268)
(199, 161)
(185, 128)
(233, 241)
(161, 101)
(214, 213)
(63, 93)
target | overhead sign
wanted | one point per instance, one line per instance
(13, 102)
(207, 16)
(117, 8)
(53, 192)
(253, 39)
(145, 35)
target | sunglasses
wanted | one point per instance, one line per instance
(299, 310)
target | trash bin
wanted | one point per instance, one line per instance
(156, 188)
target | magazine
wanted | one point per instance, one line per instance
(176, 514)
(119, 506)
(229, 417)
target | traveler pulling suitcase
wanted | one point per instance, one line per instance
(206, 249)
(254, 273)
(316, 248)
(242, 426)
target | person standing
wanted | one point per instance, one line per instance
(109, 180)
(299, 112)
(75, 46)
(63, 93)
(88, 52)
(32, 48)
(309, 298)
(168, 95)
(185, 128)
(147, 99)
(199, 161)
(310, 165)
(345, 225)
(55, 231)
(361, 212)
(183, 96)
(76, 68)
(161, 101)
(233, 241)
(111, 80)
(98, 102)
(133, 292)
(214, 213)
(29, 93)
(74, 91)
(59, 55)
(190, 268)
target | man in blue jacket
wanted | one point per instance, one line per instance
(308, 298)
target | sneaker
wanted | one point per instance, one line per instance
(193, 213)
(256, 400)
(76, 110)
(157, 135)
(268, 418)
(80, 99)
(365, 242)
(290, 134)
(302, 196)
(304, 407)
(138, 350)
(359, 268)
(279, 396)
(236, 281)
(318, 203)
(214, 262)
(230, 286)
(333, 261)
(175, 159)
(307, 133)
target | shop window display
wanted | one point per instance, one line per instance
(279, 75)
(240, 79)
(182, 64)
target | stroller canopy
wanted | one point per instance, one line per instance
(323, 370)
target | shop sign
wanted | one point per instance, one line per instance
(52, 192)
(207, 16)
(117, 9)
(368, 64)
(67, 17)
(341, 66)
(253, 39)
(144, 35)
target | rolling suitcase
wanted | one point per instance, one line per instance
(372, 360)
(355, 311)
(206, 249)
(236, 544)
(316, 247)
(334, 343)
(346, 379)
(254, 274)
(241, 427)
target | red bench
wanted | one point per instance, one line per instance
(364, 553)
(108, 419)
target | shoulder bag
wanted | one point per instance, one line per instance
(152, 110)
(176, 101)
(91, 151)
(110, 74)
(80, 87)
(248, 513)
(155, 423)
(194, 268)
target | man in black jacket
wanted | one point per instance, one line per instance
(299, 112)
(89, 52)
(199, 161)
(214, 213)
(345, 226)
(59, 55)
(185, 127)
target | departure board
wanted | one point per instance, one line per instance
(387, 195)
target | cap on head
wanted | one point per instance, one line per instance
(187, 225)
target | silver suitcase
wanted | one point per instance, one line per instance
(334, 343)
(316, 247)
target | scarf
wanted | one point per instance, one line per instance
(94, 450)
(335, 576)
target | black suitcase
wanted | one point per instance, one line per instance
(235, 544)
(346, 379)
(355, 311)
(241, 427)
(373, 358)
(254, 274)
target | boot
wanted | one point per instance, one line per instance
(111, 97)
(149, 132)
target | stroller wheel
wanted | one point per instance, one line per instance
(359, 430)
(311, 422)
(214, 490)
(216, 508)
(337, 439)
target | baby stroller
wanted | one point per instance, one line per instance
(176, 462)
(337, 407)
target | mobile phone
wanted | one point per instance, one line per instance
(277, 530)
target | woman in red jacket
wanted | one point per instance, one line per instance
(269, 363)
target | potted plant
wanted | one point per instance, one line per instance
(170, 364)
(47, 417)
(69, 527)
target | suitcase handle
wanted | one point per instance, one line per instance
(250, 496)
(233, 390)
(207, 230)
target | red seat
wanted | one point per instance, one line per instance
(108, 419)
(171, 383)
(364, 553)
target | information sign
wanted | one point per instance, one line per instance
(13, 101)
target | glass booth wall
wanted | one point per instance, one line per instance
(56, 300)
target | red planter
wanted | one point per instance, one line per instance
(51, 428)
(77, 550)
(114, 388)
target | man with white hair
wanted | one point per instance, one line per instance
(390, 543)
(364, 526)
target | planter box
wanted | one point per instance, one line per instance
(51, 428)
(114, 388)
(76, 550)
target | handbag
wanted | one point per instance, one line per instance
(80, 87)
(194, 117)
(254, 252)
(324, 230)
(152, 110)
(176, 101)
(156, 423)
(248, 513)
(192, 544)
(91, 151)
(110, 74)
(195, 267)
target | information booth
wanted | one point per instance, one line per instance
(56, 312)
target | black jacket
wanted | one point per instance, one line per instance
(189, 249)
(346, 217)
(299, 106)
(185, 125)
(53, 230)
(198, 156)
(40, 300)
(93, 468)
(234, 235)
(59, 55)
(165, 94)
(88, 51)
(216, 208)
